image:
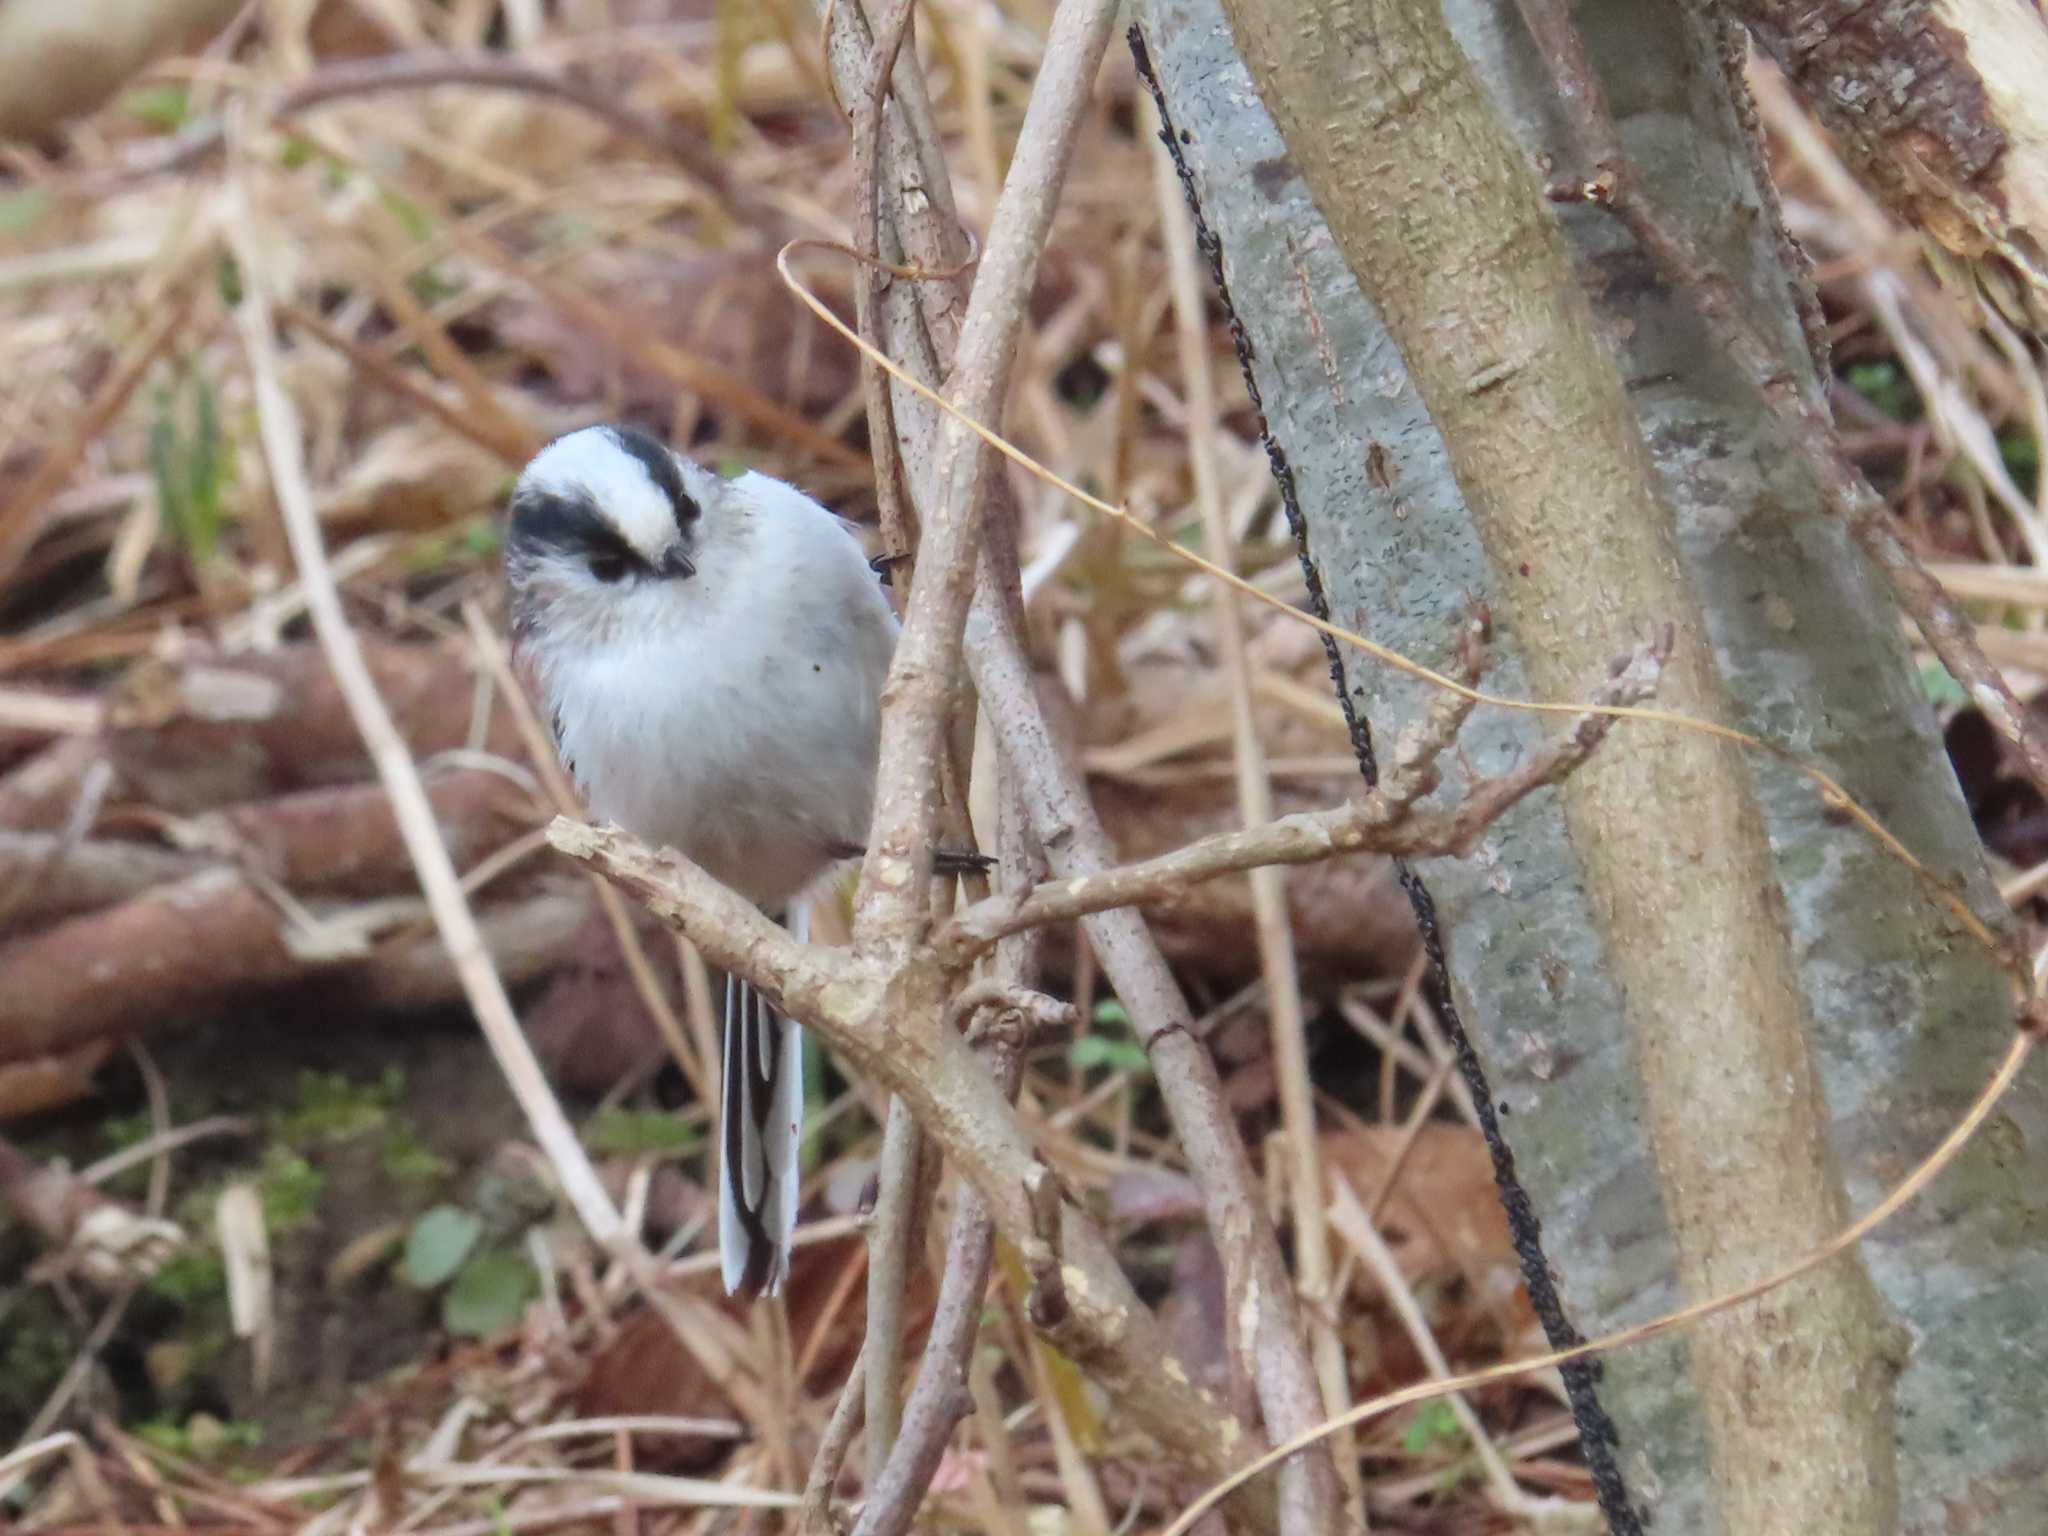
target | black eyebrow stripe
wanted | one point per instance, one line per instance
(660, 465)
(567, 522)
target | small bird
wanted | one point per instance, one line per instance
(711, 653)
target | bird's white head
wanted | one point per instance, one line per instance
(608, 529)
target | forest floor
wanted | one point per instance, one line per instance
(222, 1005)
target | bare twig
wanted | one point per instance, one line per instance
(1272, 1344)
(1384, 821)
(890, 1228)
(1285, 1026)
(895, 885)
(894, 876)
(278, 425)
(941, 1397)
(926, 336)
(1613, 184)
(832, 1447)
(899, 528)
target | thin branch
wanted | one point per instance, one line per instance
(1277, 964)
(278, 426)
(894, 880)
(1260, 1292)
(890, 1227)
(940, 1398)
(1385, 821)
(1002, 1010)
(893, 1224)
(1615, 185)
(899, 529)
(840, 1429)
(925, 334)
(895, 886)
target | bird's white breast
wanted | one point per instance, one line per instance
(735, 716)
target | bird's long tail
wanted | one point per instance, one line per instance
(761, 1123)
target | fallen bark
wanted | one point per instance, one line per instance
(1938, 107)
(65, 59)
(41, 879)
(345, 841)
(39, 792)
(215, 939)
(197, 734)
(329, 842)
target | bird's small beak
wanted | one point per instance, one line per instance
(675, 565)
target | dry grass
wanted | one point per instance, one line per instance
(459, 273)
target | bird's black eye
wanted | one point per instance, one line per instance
(608, 566)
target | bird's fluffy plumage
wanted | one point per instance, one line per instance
(712, 653)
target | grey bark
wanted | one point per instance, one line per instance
(1908, 1019)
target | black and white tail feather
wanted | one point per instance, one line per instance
(761, 1106)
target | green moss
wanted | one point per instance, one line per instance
(332, 1107)
(36, 1349)
(289, 1188)
(191, 1278)
(409, 1161)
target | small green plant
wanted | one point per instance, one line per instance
(192, 464)
(439, 1242)
(1885, 385)
(167, 106)
(333, 1107)
(489, 1293)
(201, 1437)
(621, 1132)
(192, 1278)
(486, 1288)
(1435, 1427)
(406, 1159)
(290, 1189)
(2021, 452)
(1110, 1047)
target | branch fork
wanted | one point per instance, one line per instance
(1388, 820)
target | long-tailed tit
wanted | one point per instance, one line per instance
(712, 654)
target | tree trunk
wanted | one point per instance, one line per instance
(1595, 1058)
